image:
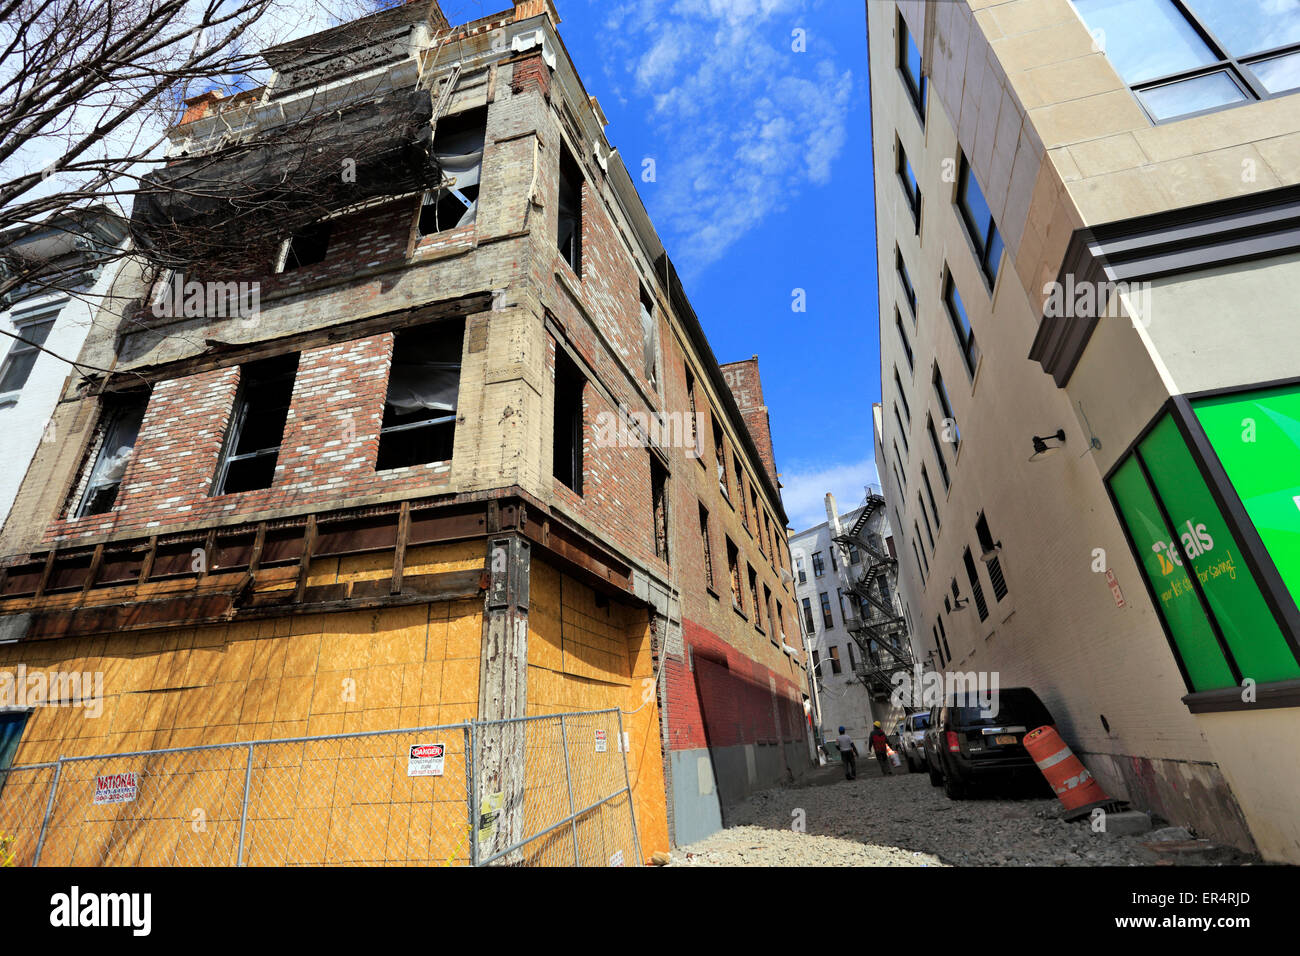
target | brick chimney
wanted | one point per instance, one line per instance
(533, 8)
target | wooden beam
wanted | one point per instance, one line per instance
(399, 553)
(146, 569)
(96, 561)
(45, 573)
(304, 563)
(259, 542)
(209, 551)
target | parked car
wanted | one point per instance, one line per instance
(964, 749)
(911, 740)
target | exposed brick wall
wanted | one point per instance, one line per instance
(331, 439)
(728, 698)
(747, 386)
(533, 72)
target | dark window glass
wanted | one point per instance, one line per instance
(419, 424)
(911, 188)
(22, 354)
(905, 279)
(569, 235)
(257, 425)
(961, 325)
(827, 619)
(938, 450)
(977, 216)
(945, 406)
(975, 586)
(909, 63)
(902, 335)
(308, 247)
(569, 386)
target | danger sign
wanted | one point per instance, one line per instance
(601, 741)
(426, 760)
(116, 788)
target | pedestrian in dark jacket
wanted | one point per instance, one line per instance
(848, 754)
(880, 745)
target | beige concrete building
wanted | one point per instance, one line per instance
(1088, 223)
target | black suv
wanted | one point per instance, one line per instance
(963, 748)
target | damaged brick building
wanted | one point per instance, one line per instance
(450, 346)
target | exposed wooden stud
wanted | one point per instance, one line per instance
(209, 551)
(259, 542)
(304, 563)
(96, 562)
(399, 553)
(45, 573)
(146, 568)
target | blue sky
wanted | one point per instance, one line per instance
(763, 186)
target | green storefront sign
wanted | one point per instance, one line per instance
(1211, 603)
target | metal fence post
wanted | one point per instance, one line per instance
(49, 809)
(243, 813)
(568, 779)
(472, 730)
(627, 779)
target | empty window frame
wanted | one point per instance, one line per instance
(256, 425)
(828, 619)
(570, 384)
(308, 246)
(757, 516)
(569, 230)
(707, 544)
(911, 188)
(909, 291)
(772, 621)
(909, 65)
(755, 603)
(659, 506)
(989, 555)
(819, 565)
(110, 452)
(961, 326)
(809, 626)
(419, 424)
(975, 586)
(692, 422)
(836, 667)
(902, 335)
(945, 406)
(649, 339)
(17, 368)
(1183, 57)
(978, 218)
(458, 149)
(938, 451)
(720, 456)
(733, 570)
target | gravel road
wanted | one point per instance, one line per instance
(899, 820)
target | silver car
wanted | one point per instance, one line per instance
(911, 740)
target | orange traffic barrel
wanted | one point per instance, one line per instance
(1073, 785)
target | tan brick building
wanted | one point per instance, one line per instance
(1105, 193)
(461, 357)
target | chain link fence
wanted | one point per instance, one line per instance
(552, 791)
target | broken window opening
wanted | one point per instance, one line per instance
(569, 386)
(733, 568)
(308, 247)
(753, 597)
(720, 453)
(419, 424)
(650, 339)
(458, 150)
(569, 233)
(257, 425)
(659, 503)
(115, 438)
(708, 550)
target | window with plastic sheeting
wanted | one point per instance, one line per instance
(458, 150)
(111, 451)
(419, 424)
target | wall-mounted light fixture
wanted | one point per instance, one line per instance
(1042, 449)
(992, 552)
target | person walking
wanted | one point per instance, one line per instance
(880, 745)
(848, 754)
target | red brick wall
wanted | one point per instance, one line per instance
(747, 387)
(727, 699)
(331, 439)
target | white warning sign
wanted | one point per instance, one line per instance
(426, 760)
(601, 742)
(116, 788)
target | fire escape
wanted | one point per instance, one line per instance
(873, 617)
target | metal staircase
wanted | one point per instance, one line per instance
(875, 622)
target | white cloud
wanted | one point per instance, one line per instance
(743, 123)
(804, 492)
